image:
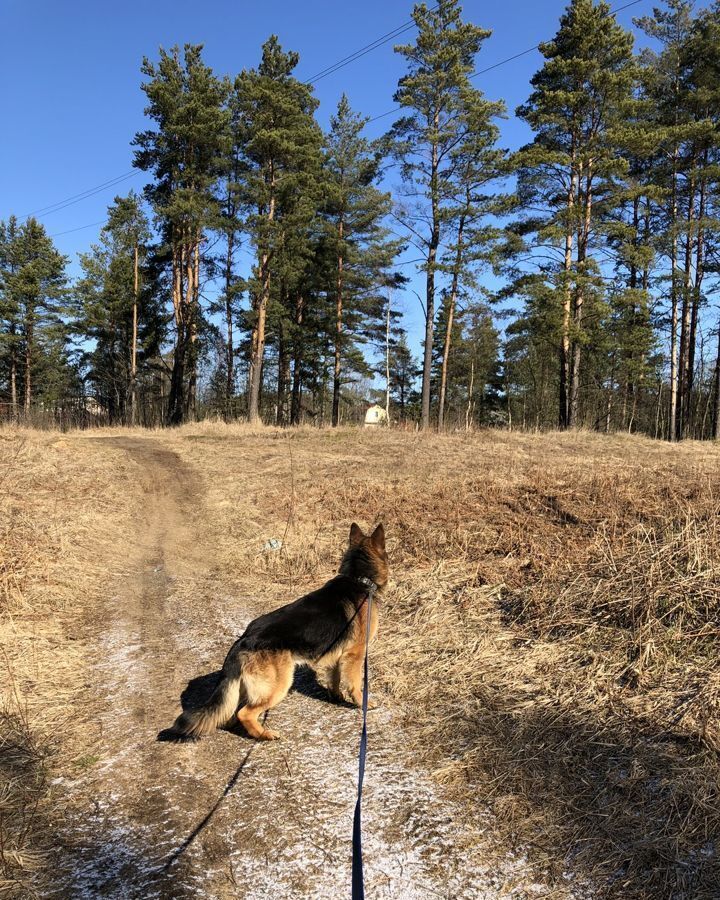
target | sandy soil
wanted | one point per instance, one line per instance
(228, 817)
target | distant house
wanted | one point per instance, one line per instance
(94, 407)
(375, 416)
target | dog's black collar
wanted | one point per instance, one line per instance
(370, 585)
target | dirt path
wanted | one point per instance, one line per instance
(228, 817)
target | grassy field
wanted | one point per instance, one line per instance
(549, 641)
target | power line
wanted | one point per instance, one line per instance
(378, 42)
(502, 62)
(332, 69)
(79, 228)
(83, 195)
(328, 70)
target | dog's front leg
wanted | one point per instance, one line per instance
(350, 677)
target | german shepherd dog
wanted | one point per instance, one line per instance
(324, 629)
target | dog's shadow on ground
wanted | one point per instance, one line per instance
(306, 682)
(199, 690)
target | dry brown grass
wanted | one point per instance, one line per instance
(62, 513)
(549, 639)
(551, 633)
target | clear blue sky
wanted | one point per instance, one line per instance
(71, 99)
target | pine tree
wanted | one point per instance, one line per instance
(715, 421)
(230, 225)
(131, 230)
(435, 91)
(701, 65)
(282, 145)
(403, 375)
(118, 309)
(295, 320)
(483, 374)
(665, 86)
(184, 152)
(34, 286)
(473, 365)
(629, 220)
(477, 164)
(9, 311)
(578, 106)
(361, 248)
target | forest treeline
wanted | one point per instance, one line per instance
(259, 275)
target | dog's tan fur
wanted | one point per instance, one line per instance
(259, 677)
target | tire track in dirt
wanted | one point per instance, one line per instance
(282, 826)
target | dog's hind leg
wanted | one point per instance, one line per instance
(267, 678)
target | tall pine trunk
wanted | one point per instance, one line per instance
(387, 363)
(683, 399)
(715, 426)
(564, 411)
(134, 340)
(283, 377)
(29, 337)
(338, 328)
(630, 386)
(229, 349)
(13, 374)
(583, 241)
(452, 299)
(696, 297)
(194, 318)
(674, 307)
(176, 401)
(297, 362)
(430, 282)
(258, 334)
(258, 341)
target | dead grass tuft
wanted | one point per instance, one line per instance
(22, 790)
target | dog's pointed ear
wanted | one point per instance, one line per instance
(378, 537)
(356, 534)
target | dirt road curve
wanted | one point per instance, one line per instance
(228, 817)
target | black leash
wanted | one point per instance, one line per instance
(358, 881)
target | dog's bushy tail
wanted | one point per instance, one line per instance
(219, 709)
